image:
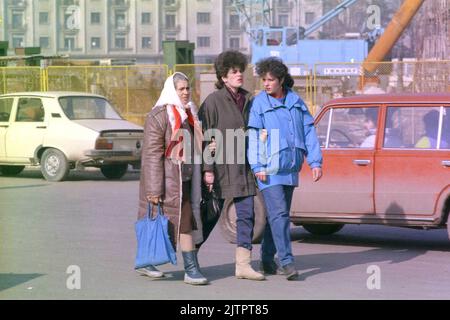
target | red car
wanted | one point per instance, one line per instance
(386, 161)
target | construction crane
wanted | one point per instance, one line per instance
(290, 43)
(253, 11)
(328, 16)
(393, 31)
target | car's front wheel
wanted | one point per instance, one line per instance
(227, 220)
(11, 170)
(448, 227)
(54, 165)
(114, 171)
(323, 229)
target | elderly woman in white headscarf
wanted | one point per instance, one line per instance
(171, 173)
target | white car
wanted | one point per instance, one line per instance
(65, 130)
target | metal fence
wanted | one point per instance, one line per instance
(17, 79)
(333, 80)
(132, 89)
(135, 89)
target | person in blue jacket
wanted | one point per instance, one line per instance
(281, 134)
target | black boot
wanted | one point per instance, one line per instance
(192, 273)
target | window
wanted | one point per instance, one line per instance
(95, 43)
(291, 37)
(17, 20)
(146, 42)
(44, 42)
(309, 17)
(120, 20)
(95, 17)
(203, 42)
(348, 128)
(30, 110)
(169, 2)
(5, 109)
(203, 18)
(77, 108)
(146, 18)
(234, 43)
(17, 42)
(322, 129)
(283, 20)
(43, 17)
(274, 38)
(170, 21)
(234, 22)
(119, 42)
(67, 23)
(69, 43)
(417, 128)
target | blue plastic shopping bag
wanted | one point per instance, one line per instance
(153, 242)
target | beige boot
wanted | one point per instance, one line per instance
(243, 268)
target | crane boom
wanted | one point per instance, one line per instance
(328, 16)
(392, 33)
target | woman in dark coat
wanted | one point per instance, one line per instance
(169, 175)
(223, 116)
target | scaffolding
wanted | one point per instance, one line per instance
(432, 32)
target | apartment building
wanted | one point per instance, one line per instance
(135, 29)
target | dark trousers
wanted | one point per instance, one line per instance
(277, 237)
(245, 220)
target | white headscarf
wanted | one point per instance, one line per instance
(170, 99)
(169, 96)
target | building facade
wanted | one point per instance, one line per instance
(135, 29)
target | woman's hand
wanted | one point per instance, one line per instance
(154, 200)
(317, 174)
(212, 146)
(261, 176)
(208, 178)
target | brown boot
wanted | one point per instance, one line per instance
(243, 268)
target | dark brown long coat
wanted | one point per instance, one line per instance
(219, 111)
(161, 177)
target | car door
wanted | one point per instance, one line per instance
(413, 164)
(346, 187)
(26, 132)
(6, 105)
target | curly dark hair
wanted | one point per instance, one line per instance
(277, 68)
(228, 60)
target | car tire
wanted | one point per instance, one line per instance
(227, 220)
(323, 229)
(114, 171)
(54, 165)
(448, 227)
(10, 171)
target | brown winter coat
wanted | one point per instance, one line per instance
(219, 111)
(162, 177)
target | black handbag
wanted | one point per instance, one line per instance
(210, 208)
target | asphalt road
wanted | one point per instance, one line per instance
(52, 232)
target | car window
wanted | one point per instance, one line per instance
(78, 108)
(30, 110)
(349, 128)
(5, 109)
(445, 136)
(322, 128)
(417, 128)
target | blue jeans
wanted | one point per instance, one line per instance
(245, 220)
(277, 237)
